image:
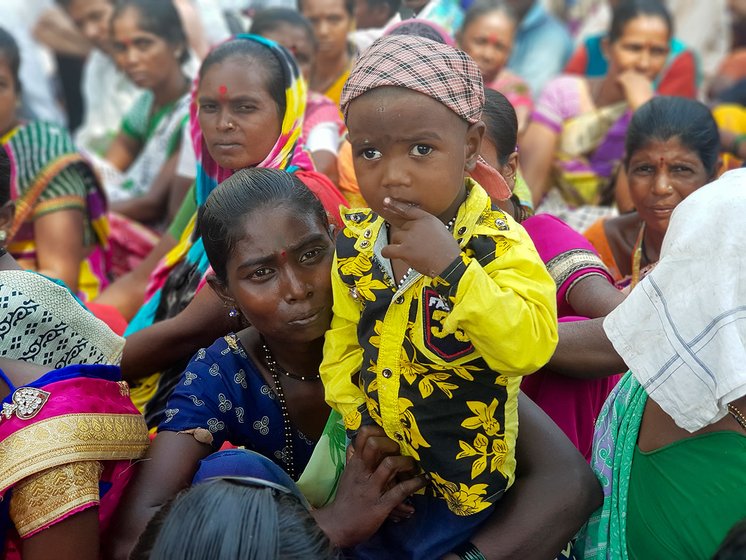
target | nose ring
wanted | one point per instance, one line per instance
(669, 188)
(229, 124)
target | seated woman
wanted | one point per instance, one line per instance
(68, 437)
(60, 226)
(575, 140)
(226, 137)
(681, 410)
(487, 36)
(672, 149)
(259, 387)
(150, 46)
(322, 125)
(681, 76)
(332, 21)
(585, 288)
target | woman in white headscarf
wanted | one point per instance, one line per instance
(672, 465)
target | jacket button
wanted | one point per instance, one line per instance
(399, 436)
(399, 300)
(461, 230)
(387, 373)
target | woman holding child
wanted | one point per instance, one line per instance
(275, 281)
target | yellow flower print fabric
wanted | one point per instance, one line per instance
(437, 362)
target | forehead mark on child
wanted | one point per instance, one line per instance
(493, 39)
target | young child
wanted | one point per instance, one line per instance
(441, 302)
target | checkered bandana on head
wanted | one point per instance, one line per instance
(444, 73)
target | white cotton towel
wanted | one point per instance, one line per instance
(682, 330)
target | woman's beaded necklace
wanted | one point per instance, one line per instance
(402, 281)
(272, 366)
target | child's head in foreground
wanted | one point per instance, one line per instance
(413, 109)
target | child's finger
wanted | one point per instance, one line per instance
(398, 212)
(395, 251)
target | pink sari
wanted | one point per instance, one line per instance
(574, 404)
(75, 424)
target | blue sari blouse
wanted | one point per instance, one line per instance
(223, 392)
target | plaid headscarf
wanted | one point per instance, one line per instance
(444, 73)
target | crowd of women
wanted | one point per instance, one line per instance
(360, 279)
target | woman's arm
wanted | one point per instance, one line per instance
(168, 468)
(554, 493)
(128, 292)
(594, 296)
(59, 245)
(153, 205)
(585, 351)
(165, 343)
(122, 151)
(74, 538)
(537, 149)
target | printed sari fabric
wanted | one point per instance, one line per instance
(77, 425)
(572, 403)
(42, 322)
(591, 143)
(49, 175)
(615, 439)
(514, 88)
(222, 397)
(182, 272)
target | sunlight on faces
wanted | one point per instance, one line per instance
(643, 47)
(489, 40)
(279, 273)
(412, 148)
(9, 96)
(93, 18)
(148, 60)
(653, 169)
(237, 114)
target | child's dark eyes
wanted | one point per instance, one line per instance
(421, 150)
(371, 154)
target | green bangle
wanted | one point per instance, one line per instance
(737, 141)
(468, 551)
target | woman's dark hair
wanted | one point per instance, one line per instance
(9, 51)
(271, 19)
(160, 18)
(482, 8)
(502, 123)
(226, 519)
(246, 191)
(4, 177)
(664, 118)
(627, 10)
(243, 48)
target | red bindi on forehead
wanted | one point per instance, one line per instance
(222, 91)
(493, 39)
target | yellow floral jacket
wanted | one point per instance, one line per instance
(438, 362)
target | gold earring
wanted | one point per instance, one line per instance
(3, 235)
